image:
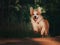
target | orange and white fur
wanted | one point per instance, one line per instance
(39, 24)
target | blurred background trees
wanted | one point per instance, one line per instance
(14, 17)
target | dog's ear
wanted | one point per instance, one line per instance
(39, 10)
(31, 10)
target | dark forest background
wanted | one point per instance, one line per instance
(14, 17)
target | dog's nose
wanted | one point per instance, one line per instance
(35, 17)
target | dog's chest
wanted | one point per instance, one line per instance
(39, 24)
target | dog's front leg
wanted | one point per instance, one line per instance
(35, 27)
(43, 30)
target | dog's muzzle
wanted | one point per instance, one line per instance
(35, 18)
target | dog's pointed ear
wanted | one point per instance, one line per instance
(39, 10)
(31, 10)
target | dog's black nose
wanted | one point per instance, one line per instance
(35, 17)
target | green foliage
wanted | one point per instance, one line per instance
(37, 5)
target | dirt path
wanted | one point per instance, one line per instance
(31, 41)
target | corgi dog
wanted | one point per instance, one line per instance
(39, 24)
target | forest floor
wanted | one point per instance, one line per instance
(30, 41)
